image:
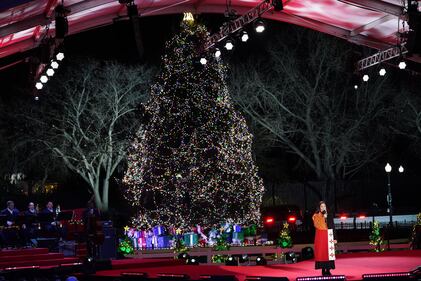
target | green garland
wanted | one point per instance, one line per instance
(285, 240)
(376, 237)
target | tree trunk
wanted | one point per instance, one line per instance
(105, 190)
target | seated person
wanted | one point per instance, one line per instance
(11, 213)
(9, 235)
(47, 218)
(30, 227)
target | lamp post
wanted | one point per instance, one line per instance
(388, 169)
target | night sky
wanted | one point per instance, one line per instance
(116, 42)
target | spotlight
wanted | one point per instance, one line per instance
(43, 79)
(39, 85)
(382, 72)
(229, 45)
(203, 61)
(192, 261)
(50, 72)
(260, 26)
(307, 253)
(290, 257)
(365, 78)
(231, 261)
(261, 261)
(60, 56)
(402, 65)
(277, 5)
(244, 36)
(217, 53)
(54, 64)
(36, 98)
(243, 259)
(183, 256)
(356, 87)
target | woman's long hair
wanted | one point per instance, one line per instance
(318, 206)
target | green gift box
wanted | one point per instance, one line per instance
(191, 239)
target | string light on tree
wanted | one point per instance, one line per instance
(191, 161)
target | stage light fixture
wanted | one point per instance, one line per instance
(39, 85)
(203, 61)
(231, 261)
(50, 72)
(183, 256)
(356, 87)
(277, 5)
(307, 253)
(217, 53)
(324, 278)
(387, 276)
(36, 98)
(54, 64)
(243, 259)
(382, 72)
(402, 65)
(259, 26)
(365, 78)
(60, 56)
(261, 261)
(244, 36)
(290, 257)
(229, 45)
(43, 79)
(192, 261)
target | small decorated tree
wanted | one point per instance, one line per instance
(285, 240)
(376, 237)
(415, 238)
(126, 246)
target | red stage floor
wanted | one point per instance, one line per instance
(351, 265)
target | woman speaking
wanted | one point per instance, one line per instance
(324, 241)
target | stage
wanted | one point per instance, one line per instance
(352, 265)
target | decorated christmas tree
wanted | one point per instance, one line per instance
(285, 240)
(191, 161)
(376, 238)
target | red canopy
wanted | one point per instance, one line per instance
(373, 23)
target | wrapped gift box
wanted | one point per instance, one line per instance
(158, 230)
(163, 242)
(238, 237)
(237, 228)
(191, 239)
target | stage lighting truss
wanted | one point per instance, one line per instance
(233, 26)
(382, 56)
